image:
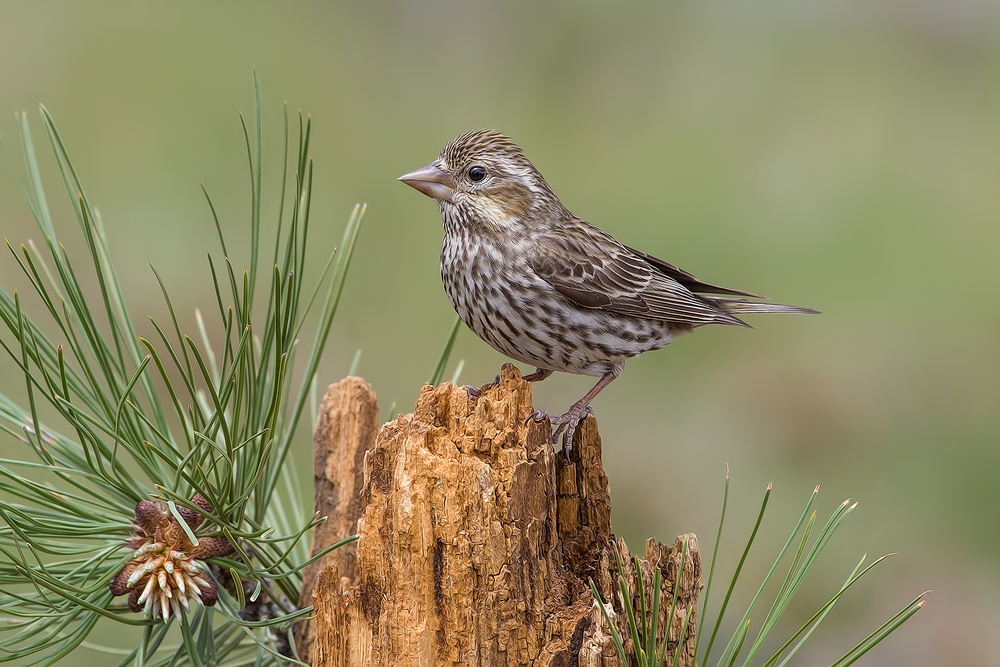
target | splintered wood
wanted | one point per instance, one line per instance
(476, 543)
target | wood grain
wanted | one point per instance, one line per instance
(477, 541)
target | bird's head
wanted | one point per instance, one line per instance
(487, 178)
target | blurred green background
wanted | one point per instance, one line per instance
(838, 155)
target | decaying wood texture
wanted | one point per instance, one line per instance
(476, 543)
(345, 429)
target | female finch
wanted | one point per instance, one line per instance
(547, 288)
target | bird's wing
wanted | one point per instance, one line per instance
(687, 279)
(589, 267)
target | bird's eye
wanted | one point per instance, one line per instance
(477, 173)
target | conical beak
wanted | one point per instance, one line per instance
(432, 181)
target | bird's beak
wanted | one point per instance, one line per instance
(432, 181)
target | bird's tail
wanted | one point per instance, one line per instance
(744, 306)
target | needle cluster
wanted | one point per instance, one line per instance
(159, 468)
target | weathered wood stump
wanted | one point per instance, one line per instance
(476, 543)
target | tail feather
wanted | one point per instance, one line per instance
(743, 307)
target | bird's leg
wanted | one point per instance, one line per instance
(539, 375)
(566, 424)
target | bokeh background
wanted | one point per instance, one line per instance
(839, 155)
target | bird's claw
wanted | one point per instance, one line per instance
(475, 392)
(564, 425)
(561, 424)
(538, 416)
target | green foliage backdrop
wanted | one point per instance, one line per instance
(842, 156)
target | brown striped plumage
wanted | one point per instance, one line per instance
(548, 289)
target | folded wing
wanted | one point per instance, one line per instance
(592, 269)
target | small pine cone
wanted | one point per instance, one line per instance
(119, 584)
(133, 599)
(148, 515)
(213, 547)
(209, 595)
(190, 516)
(201, 502)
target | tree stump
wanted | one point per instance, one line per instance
(477, 542)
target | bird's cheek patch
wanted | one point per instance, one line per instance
(514, 199)
(495, 214)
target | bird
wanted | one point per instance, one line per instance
(545, 287)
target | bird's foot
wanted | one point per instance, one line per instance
(475, 392)
(564, 425)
